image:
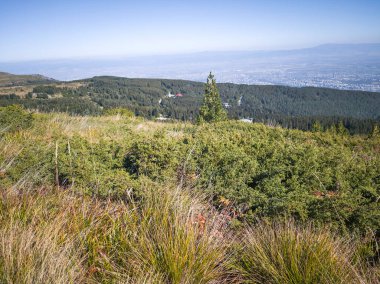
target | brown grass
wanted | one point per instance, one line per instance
(284, 252)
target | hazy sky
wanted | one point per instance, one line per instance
(33, 29)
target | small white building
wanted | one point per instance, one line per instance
(170, 95)
(248, 120)
(161, 118)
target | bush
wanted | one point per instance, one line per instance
(124, 112)
(14, 118)
(94, 168)
(157, 158)
(51, 90)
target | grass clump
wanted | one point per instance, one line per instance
(35, 248)
(58, 237)
(287, 253)
(166, 236)
(162, 238)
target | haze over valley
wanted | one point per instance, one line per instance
(340, 66)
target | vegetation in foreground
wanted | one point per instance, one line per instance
(116, 199)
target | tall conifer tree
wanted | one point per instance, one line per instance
(212, 109)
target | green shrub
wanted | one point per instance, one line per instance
(157, 158)
(94, 168)
(14, 118)
(124, 112)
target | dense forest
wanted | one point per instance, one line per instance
(300, 108)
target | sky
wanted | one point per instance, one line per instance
(37, 29)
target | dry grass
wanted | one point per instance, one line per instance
(20, 91)
(21, 85)
(161, 239)
(167, 237)
(54, 237)
(34, 250)
(287, 253)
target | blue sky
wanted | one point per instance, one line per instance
(33, 29)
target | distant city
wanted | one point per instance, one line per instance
(350, 67)
(349, 79)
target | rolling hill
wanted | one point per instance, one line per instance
(7, 79)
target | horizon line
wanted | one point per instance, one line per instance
(135, 56)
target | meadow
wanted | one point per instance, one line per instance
(120, 199)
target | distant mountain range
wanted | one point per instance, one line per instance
(340, 66)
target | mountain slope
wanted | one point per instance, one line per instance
(289, 106)
(7, 79)
(242, 100)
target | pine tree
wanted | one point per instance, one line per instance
(317, 127)
(212, 109)
(375, 132)
(341, 129)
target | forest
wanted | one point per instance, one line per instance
(289, 107)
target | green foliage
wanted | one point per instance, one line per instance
(341, 129)
(14, 118)
(49, 90)
(93, 168)
(156, 158)
(269, 172)
(212, 109)
(124, 208)
(124, 112)
(375, 132)
(317, 127)
(264, 172)
(222, 166)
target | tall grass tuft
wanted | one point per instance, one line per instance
(34, 250)
(287, 253)
(57, 237)
(161, 239)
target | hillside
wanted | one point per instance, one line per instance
(253, 101)
(287, 106)
(118, 199)
(7, 79)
